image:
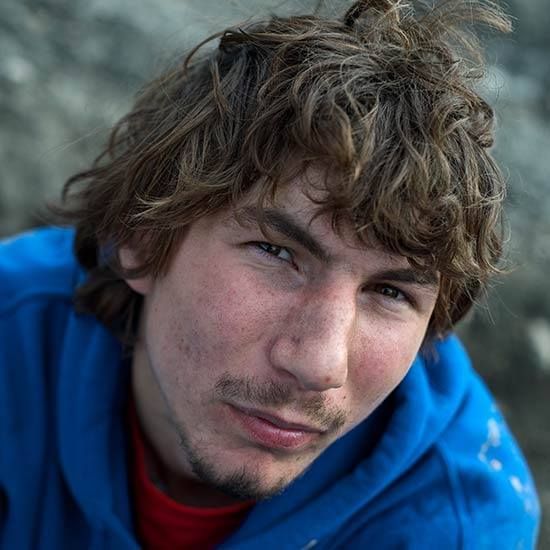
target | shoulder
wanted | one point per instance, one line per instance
(465, 483)
(37, 264)
(492, 488)
(473, 466)
(38, 275)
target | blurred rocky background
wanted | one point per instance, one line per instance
(68, 69)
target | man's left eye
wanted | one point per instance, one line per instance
(391, 292)
(279, 252)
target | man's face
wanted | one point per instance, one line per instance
(261, 351)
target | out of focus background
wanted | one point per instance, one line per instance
(69, 69)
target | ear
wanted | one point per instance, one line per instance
(129, 260)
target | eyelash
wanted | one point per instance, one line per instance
(262, 246)
(401, 296)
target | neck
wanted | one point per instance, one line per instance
(165, 459)
(183, 489)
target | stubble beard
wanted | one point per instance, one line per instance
(244, 483)
(240, 484)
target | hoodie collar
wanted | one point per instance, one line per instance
(92, 396)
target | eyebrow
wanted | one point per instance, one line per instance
(283, 223)
(410, 275)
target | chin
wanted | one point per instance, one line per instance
(248, 478)
(243, 485)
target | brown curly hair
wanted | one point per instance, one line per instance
(384, 100)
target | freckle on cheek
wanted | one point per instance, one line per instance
(184, 348)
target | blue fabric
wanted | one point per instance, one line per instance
(434, 467)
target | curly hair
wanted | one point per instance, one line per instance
(384, 100)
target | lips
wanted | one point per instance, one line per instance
(274, 432)
(279, 422)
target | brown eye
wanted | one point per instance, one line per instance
(279, 252)
(391, 292)
(270, 248)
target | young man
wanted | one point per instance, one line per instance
(245, 341)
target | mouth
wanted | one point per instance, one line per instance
(271, 431)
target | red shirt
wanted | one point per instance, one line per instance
(163, 523)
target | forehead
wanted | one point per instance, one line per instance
(307, 201)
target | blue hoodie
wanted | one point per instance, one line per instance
(433, 467)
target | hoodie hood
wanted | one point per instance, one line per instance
(434, 462)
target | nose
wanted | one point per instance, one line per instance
(314, 339)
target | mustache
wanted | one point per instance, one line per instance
(249, 391)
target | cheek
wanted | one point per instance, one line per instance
(231, 312)
(379, 364)
(211, 317)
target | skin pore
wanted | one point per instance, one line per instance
(257, 350)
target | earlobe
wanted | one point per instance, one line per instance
(128, 260)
